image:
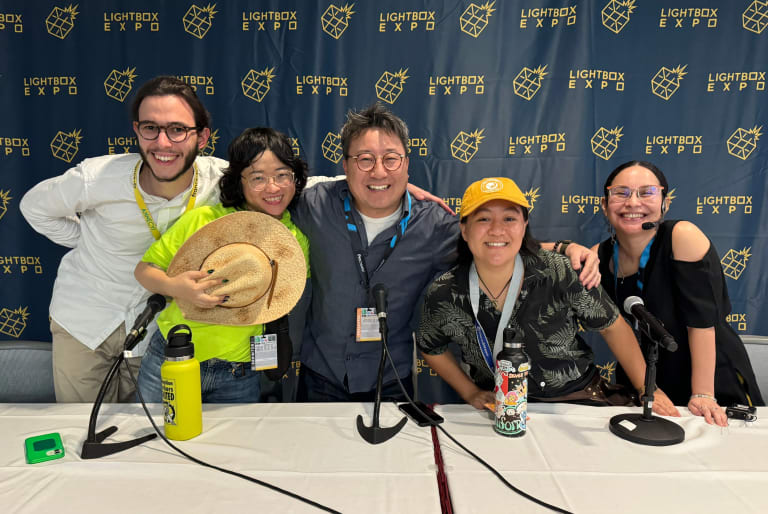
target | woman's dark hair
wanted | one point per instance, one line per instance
(246, 147)
(163, 86)
(647, 165)
(530, 246)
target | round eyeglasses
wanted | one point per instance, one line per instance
(258, 182)
(175, 132)
(618, 194)
(367, 161)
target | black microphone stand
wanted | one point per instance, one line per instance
(376, 434)
(93, 447)
(646, 428)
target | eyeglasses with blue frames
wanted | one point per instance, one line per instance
(617, 194)
(258, 182)
(175, 132)
(367, 161)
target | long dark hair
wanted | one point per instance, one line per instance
(530, 245)
(246, 147)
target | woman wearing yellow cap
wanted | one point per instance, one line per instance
(504, 279)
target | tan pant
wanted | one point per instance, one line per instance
(78, 371)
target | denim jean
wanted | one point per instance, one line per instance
(314, 387)
(221, 381)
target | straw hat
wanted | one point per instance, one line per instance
(261, 260)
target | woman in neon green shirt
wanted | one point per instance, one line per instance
(263, 176)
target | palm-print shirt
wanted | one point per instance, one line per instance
(546, 316)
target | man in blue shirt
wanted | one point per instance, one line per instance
(363, 231)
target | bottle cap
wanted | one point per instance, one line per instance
(180, 343)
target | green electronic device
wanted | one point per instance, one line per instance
(45, 447)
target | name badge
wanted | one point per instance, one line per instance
(367, 325)
(263, 352)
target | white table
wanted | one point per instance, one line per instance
(310, 449)
(570, 459)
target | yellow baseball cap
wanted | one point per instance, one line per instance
(487, 189)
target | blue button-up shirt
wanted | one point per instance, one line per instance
(426, 250)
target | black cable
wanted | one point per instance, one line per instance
(217, 468)
(477, 457)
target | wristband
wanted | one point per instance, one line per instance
(560, 246)
(707, 396)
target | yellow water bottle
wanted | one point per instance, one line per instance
(180, 375)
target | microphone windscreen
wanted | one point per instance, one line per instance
(156, 302)
(630, 302)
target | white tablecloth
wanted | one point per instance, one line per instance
(570, 459)
(310, 449)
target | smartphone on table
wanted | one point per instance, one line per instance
(429, 417)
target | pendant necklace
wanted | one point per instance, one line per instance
(494, 298)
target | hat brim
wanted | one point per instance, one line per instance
(260, 230)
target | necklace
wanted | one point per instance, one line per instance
(494, 298)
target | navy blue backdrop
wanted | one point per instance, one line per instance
(552, 93)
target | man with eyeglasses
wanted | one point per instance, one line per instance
(109, 210)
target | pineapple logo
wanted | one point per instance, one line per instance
(607, 370)
(4, 199)
(743, 142)
(464, 146)
(13, 323)
(605, 142)
(256, 84)
(528, 81)
(390, 85)
(65, 145)
(666, 81)
(671, 196)
(335, 20)
(210, 146)
(735, 262)
(197, 21)
(331, 147)
(755, 18)
(119, 83)
(474, 19)
(532, 195)
(616, 14)
(60, 22)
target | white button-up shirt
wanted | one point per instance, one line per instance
(95, 290)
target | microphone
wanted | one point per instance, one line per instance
(380, 297)
(155, 304)
(648, 323)
(650, 225)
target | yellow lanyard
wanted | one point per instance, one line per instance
(143, 206)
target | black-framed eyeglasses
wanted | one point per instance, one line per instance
(175, 132)
(259, 182)
(367, 161)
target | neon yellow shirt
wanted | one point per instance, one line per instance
(224, 342)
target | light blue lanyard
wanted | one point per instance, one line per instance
(640, 269)
(357, 242)
(515, 283)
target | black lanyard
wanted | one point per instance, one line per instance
(357, 242)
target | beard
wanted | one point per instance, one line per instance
(188, 160)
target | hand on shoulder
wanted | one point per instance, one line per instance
(689, 243)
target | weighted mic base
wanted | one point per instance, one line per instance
(96, 449)
(653, 431)
(376, 434)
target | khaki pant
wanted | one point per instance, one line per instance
(78, 371)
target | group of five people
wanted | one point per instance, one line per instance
(126, 216)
